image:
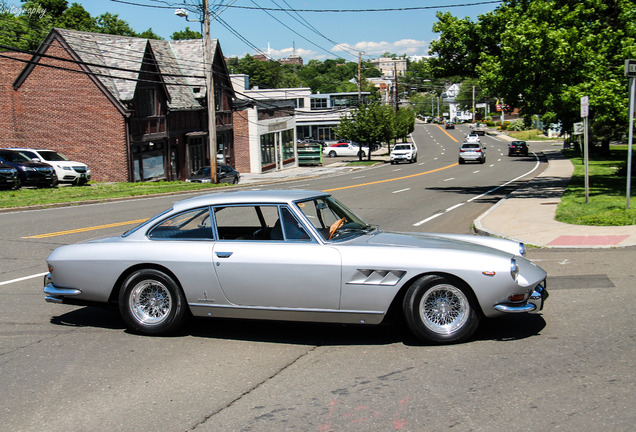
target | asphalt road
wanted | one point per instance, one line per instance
(68, 368)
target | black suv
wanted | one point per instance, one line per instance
(30, 173)
(9, 177)
(518, 148)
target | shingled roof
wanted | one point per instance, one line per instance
(117, 61)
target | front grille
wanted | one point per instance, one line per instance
(79, 169)
(45, 170)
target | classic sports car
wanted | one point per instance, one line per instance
(297, 256)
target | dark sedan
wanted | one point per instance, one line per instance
(518, 148)
(30, 173)
(224, 174)
(9, 177)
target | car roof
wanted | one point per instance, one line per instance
(29, 149)
(248, 197)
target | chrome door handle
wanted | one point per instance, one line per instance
(224, 254)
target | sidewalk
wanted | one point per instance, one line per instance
(527, 215)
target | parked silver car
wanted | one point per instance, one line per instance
(297, 256)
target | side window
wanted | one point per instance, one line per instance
(190, 225)
(245, 222)
(294, 231)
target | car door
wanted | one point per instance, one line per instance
(287, 270)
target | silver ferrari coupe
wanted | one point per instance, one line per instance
(297, 256)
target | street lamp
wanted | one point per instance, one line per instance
(209, 77)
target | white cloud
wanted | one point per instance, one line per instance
(404, 46)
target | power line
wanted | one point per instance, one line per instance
(279, 9)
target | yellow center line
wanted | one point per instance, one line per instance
(390, 180)
(138, 221)
(449, 135)
(80, 230)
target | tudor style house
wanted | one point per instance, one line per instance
(133, 109)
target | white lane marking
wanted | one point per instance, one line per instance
(401, 190)
(449, 179)
(22, 279)
(478, 196)
(475, 172)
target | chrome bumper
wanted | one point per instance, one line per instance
(533, 305)
(55, 294)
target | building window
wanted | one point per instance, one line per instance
(319, 103)
(147, 101)
(148, 161)
(268, 149)
(288, 144)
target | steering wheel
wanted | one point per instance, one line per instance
(334, 227)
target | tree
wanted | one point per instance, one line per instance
(542, 56)
(186, 34)
(111, 24)
(367, 124)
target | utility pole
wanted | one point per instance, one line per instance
(396, 85)
(360, 78)
(473, 104)
(208, 59)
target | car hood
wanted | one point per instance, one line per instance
(464, 242)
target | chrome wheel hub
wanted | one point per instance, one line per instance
(444, 309)
(150, 302)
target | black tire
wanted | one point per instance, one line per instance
(151, 303)
(482, 161)
(461, 161)
(441, 311)
(332, 154)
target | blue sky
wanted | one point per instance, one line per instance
(312, 34)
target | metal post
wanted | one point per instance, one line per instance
(208, 57)
(632, 96)
(586, 156)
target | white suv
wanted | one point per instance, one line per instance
(67, 171)
(404, 152)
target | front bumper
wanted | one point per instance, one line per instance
(534, 304)
(55, 294)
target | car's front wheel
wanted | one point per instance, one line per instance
(151, 303)
(441, 311)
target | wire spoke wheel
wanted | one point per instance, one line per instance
(444, 309)
(440, 309)
(150, 302)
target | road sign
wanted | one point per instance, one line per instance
(585, 106)
(578, 128)
(630, 68)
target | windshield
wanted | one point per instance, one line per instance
(402, 147)
(12, 156)
(331, 219)
(49, 155)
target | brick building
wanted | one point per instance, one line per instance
(131, 108)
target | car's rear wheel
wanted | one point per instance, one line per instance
(441, 311)
(332, 154)
(151, 303)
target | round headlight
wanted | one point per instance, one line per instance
(522, 249)
(514, 268)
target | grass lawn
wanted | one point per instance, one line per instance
(607, 191)
(93, 191)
